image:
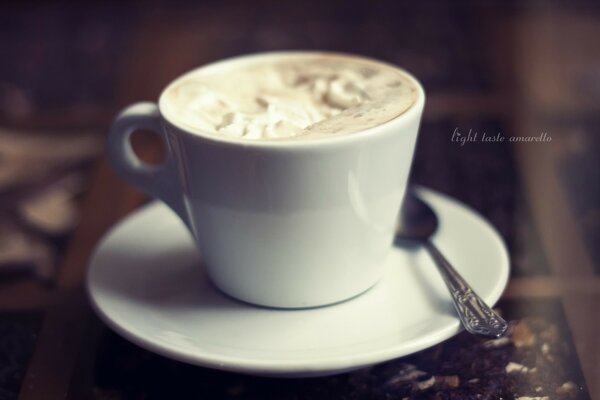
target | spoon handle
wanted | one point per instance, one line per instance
(476, 316)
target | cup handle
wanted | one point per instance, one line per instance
(160, 181)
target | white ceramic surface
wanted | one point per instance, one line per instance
(146, 282)
(292, 223)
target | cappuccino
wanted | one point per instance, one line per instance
(307, 154)
(290, 96)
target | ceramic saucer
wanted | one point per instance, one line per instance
(147, 283)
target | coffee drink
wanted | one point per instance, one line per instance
(288, 168)
(293, 96)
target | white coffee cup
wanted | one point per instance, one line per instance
(285, 223)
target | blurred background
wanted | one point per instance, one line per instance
(520, 69)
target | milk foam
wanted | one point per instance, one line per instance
(291, 97)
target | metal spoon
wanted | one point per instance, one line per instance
(418, 222)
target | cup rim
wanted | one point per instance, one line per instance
(414, 111)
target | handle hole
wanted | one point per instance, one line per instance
(148, 147)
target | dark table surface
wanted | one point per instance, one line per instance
(515, 69)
